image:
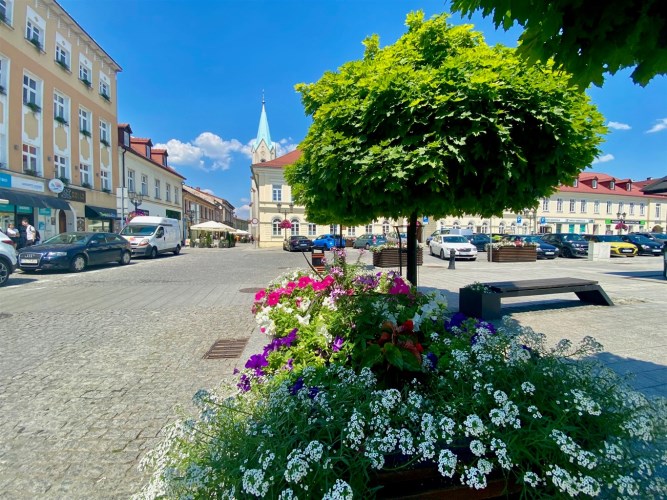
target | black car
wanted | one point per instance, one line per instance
(660, 238)
(544, 250)
(569, 244)
(75, 251)
(645, 246)
(480, 241)
(298, 243)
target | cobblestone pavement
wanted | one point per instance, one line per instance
(95, 364)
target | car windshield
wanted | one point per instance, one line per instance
(609, 238)
(67, 239)
(639, 238)
(323, 236)
(139, 229)
(534, 239)
(660, 236)
(455, 239)
(573, 237)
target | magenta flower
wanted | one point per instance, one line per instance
(304, 281)
(337, 344)
(274, 298)
(260, 295)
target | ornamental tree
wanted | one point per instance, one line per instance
(438, 123)
(587, 38)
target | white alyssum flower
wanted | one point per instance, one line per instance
(532, 479)
(354, 430)
(254, 483)
(447, 463)
(584, 404)
(528, 388)
(473, 426)
(477, 447)
(339, 491)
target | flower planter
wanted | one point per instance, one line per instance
(512, 254)
(389, 257)
(478, 304)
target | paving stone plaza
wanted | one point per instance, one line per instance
(95, 364)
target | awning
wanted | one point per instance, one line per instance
(33, 200)
(100, 212)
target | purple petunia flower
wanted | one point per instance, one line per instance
(289, 365)
(314, 391)
(455, 321)
(257, 362)
(298, 385)
(244, 383)
(337, 344)
(432, 359)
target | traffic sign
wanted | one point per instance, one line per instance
(519, 220)
(425, 219)
(543, 220)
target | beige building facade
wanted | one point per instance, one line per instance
(58, 113)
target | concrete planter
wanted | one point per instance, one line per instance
(389, 257)
(512, 254)
(479, 304)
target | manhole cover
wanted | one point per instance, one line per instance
(251, 290)
(5, 315)
(226, 349)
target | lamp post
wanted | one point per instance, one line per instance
(621, 222)
(531, 213)
(136, 199)
(286, 211)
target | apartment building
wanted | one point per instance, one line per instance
(200, 206)
(58, 165)
(147, 185)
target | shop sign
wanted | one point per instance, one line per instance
(569, 221)
(27, 184)
(44, 211)
(254, 221)
(72, 194)
(56, 185)
(626, 221)
(5, 180)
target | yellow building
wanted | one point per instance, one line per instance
(58, 116)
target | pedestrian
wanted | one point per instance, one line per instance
(13, 233)
(30, 233)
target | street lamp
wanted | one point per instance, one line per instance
(285, 224)
(621, 222)
(136, 199)
(531, 213)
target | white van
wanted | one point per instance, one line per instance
(150, 235)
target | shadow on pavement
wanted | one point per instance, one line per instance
(645, 376)
(653, 275)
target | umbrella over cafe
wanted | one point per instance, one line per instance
(213, 226)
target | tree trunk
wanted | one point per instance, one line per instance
(412, 248)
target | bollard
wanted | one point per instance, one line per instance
(452, 259)
(664, 260)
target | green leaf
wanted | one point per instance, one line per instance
(393, 355)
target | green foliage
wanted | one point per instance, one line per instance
(439, 123)
(586, 38)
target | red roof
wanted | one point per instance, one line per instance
(585, 185)
(281, 161)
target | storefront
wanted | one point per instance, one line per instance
(101, 219)
(41, 211)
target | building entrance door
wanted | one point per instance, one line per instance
(62, 222)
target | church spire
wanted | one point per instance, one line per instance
(263, 149)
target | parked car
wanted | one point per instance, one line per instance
(645, 246)
(328, 241)
(298, 243)
(369, 240)
(657, 237)
(7, 258)
(393, 237)
(150, 236)
(544, 250)
(75, 251)
(480, 241)
(619, 248)
(437, 231)
(442, 244)
(569, 244)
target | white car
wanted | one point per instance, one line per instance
(443, 244)
(7, 258)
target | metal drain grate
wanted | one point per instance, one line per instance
(250, 290)
(226, 349)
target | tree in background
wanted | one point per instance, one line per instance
(438, 123)
(586, 38)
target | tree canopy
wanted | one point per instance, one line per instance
(439, 123)
(586, 38)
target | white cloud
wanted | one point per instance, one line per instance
(218, 150)
(182, 153)
(245, 200)
(285, 146)
(661, 125)
(619, 126)
(243, 212)
(603, 158)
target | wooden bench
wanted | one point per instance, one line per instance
(486, 305)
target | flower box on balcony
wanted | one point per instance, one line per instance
(512, 254)
(389, 257)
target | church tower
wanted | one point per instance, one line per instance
(263, 149)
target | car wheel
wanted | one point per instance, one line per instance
(567, 253)
(4, 272)
(178, 250)
(78, 264)
(125, 258)
(442, 254)
(153, 252)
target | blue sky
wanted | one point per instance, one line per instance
(194, 72)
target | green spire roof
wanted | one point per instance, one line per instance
(263, 133)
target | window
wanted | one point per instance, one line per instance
(385, 227)
(573, 204)
(596, 206)
(628, 186)
(85, 73)
(144, 185)
(104, 133)
(157, 189)
(351, 231)
(312, 229)
(583, 206)
(167, 191)
(275, 224)
(333, 228)
(3, 71)
(84, 170)
(6, 10)
(609, 210)
(30, 90)
(30, 159)
(277, 192)
(559, 205)
(575, 183)
(84, 122)
(60, 108)
(130, 181)
(104, 89)
(612, 185)
(657, 210)
(176, 191)
(545, 204)
(34, 33)
(632, 209)
(148, 151)
(296, 226)
(594, 183)
(62, 170)
(369, 228)
(105, 180)
(621, 206)
(62, 56)
(642, 209)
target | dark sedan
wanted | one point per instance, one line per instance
(544, 250)
(645, 246)
(480, 240)
(75, 251)
(298, 243)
